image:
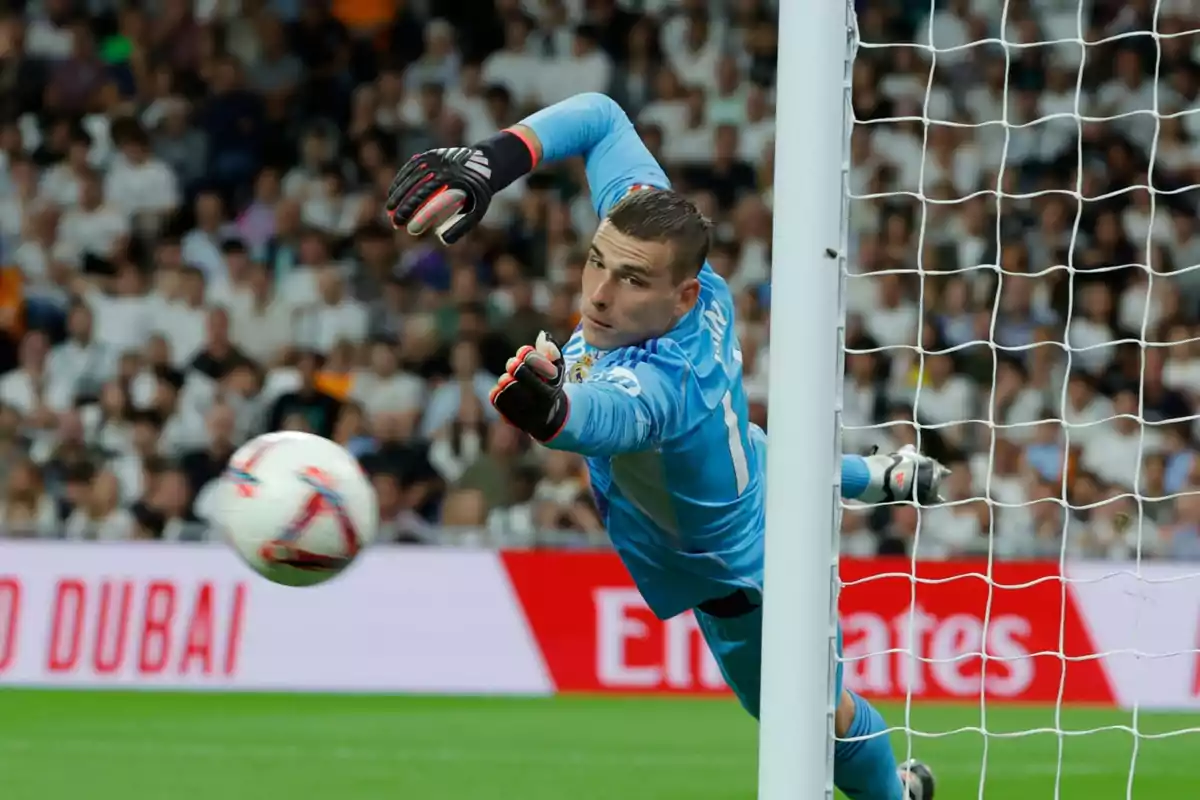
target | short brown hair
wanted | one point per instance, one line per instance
(661, 215)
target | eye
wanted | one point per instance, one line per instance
(633, 280)
(593, 261)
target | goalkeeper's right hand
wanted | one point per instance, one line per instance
(530, 393)
(904, 476)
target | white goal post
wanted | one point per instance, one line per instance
(1126, 183)
(803, 508)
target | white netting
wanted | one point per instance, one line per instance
(1022, 295)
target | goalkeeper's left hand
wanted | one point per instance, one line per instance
(530, 392)
(449, 190)
(904, 476)
(446, 190)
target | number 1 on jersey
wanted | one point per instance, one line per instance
(737, 451)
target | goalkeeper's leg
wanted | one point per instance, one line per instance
(863, 769)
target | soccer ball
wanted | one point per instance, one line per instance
(296, 507)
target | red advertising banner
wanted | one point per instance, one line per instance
(596, 633)
(456, 621)
(948, 633)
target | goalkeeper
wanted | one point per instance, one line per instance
(649, 389)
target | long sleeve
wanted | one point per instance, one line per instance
(628, 406)
(594, 126)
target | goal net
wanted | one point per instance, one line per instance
(1022, 289)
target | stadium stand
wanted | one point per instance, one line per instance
(194, 252)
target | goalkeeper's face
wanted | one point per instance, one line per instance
(630, 290)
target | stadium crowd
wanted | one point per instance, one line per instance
(191, 225)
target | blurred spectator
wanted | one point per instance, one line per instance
(261, 321)
(333, 318)
(516, 67)
(439, 61)
(486, 482)
(306, 408)
(75, 80)
(585, 68)
(26, 510)
(139, 184)
(469, 384)
(560, 499)
(693, 44)
(192, 252)
(383, 388)
(94, 227)
(99, 515)
(201, 246)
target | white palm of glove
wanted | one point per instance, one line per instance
(904, 476)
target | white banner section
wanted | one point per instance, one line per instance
(165, 616)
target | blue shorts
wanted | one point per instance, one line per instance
(736, 643)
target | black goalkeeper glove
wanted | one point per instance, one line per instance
(450, 189)
(530, 392)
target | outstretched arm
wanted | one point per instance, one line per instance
(449, 189)
(624, 408)
(593, 126)
(632, 401)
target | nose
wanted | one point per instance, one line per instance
(601, 296)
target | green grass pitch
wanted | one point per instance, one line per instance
(152, 746)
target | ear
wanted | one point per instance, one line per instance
(689, 293)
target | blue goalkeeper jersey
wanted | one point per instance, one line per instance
(676, 467)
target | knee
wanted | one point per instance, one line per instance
(843, 717)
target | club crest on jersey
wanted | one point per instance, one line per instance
(578, 372)
(637, 187)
